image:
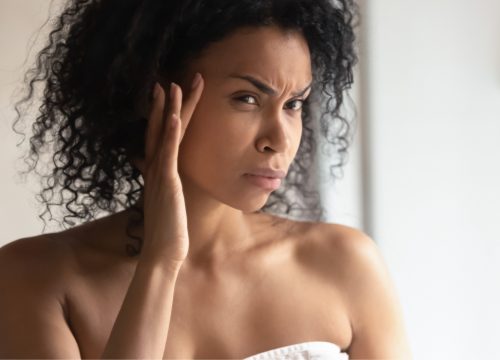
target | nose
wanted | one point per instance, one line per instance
(274, 135)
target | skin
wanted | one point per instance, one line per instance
(246, 286)
(236, 128)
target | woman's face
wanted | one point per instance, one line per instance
(249, 114)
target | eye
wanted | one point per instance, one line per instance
(245, 98)
(295, 102)
(296, 105)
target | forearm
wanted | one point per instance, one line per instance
(141, 327)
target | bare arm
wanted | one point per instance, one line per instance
(141, 327)
(148, 303)
(33, 318)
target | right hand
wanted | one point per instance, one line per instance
(165, 219)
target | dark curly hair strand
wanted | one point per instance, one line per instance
(99, 68)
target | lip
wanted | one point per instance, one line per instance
(267, 172)
(267, 183)
(266, 178)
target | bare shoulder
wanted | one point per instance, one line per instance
(338, 250)
(33, 274)
(53, 262)
(36, 265)
(37, 256)
(352, 259)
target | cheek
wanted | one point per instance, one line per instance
(213, 143)
(295, 136)
(299, 129)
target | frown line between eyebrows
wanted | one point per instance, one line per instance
(266, 88)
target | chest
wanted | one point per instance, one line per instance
(227, 316)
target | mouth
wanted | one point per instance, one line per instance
(264, 182)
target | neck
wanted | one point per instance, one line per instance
(216, 230)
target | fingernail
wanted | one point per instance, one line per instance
(196, 80)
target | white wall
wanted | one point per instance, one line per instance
(19, 20)
(432, 92)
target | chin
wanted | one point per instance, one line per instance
(246, 201)
(244, 198)
(251, 203)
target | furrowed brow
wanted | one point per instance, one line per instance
(265, 88)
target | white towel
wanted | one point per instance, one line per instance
(310, 350)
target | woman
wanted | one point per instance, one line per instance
(207, 102)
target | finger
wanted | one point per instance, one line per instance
(155, 123)
(190, 104)
(174, 103)
(175, 125)
(171, 133)
(170, 146)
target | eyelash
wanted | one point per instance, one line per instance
(251, 96)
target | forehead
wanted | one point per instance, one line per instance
(270, 52)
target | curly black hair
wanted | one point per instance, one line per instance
(99, 66)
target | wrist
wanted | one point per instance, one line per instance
(157, 259)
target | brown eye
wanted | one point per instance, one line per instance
(245, 99)
(295, 102)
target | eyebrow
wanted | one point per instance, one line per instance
(265, 88)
